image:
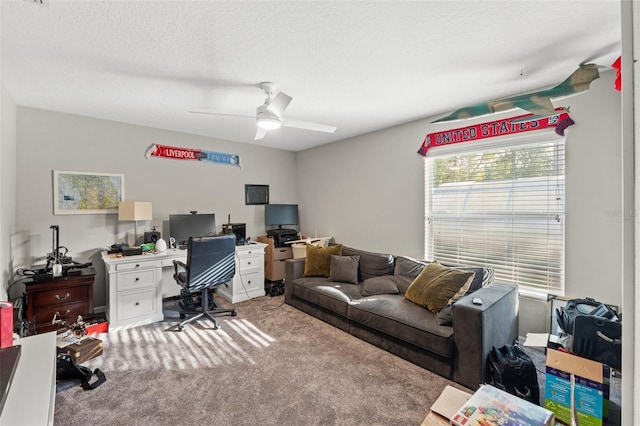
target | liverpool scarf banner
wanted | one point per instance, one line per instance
(178, 153)
(507, 126)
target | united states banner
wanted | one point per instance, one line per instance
(490, 129)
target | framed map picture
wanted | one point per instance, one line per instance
(86, 192)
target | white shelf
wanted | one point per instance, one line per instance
(31, 397)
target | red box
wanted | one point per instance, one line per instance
(97, 328)
(6, 324)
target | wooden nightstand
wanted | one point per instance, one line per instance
(66, 296)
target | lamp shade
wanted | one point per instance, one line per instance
(135, 210)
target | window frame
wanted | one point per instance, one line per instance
(520, 141)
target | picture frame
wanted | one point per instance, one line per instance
(256, 194)
(86, 192)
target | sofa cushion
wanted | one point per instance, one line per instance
(371, 264)
(438, 285)
(344, 269)
(402, 319)
(407, 269)
(334, 296)
(318, 260)
(379, 285)
(483, 277)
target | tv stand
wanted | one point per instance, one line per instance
(281, 236)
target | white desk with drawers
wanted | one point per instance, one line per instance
(134, 283)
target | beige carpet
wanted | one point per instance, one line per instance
(270, 365)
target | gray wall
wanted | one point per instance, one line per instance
(50, 141)
(368, 192)
(7, 185)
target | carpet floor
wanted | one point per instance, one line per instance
(270, 365)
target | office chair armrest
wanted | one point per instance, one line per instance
(177, 264)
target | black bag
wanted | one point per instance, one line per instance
(566, 315)
(598, 339)
(67, 369)
(513, 371)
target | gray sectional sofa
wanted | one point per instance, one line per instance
(453, 343)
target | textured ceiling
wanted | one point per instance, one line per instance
(358, 65)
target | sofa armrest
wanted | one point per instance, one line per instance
(477, 328)
(293, 269)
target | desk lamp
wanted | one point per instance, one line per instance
(135, 211)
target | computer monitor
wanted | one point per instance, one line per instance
(183, 226)
(280, 214)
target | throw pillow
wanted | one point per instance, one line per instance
(344, 269)
(445, 315)
(318, 260)
(436, 285)
(371, 264)
(484, 277)
(379, 285)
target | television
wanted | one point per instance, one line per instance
(280, 214)
(183, 226)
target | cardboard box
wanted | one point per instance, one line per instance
(490, 405)
(447, 404)
(576, 389)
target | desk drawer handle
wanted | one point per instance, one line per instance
(65, 313)
(248, 263)
(66, 296)
(137, 265)
(137, 279)
(137, 304)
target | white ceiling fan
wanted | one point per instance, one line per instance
(269, 115)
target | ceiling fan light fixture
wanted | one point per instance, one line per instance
(269, 123)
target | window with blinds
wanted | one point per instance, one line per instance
(500, 207)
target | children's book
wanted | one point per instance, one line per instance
(490, 406)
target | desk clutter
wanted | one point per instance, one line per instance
(74, 347)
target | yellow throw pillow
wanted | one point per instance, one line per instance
(436, 285)
(318, 260)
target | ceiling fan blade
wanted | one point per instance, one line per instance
(260, 133)
(219, 113)
(279, 104)
(307, 125)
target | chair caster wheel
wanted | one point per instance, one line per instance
(234, 314)
(182, 316)
(180, 328)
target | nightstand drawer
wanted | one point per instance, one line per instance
(136, 303)
(68, 312)
(136, 279)
(60, 296)
(282, 253)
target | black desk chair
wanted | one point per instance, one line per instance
(210, 262)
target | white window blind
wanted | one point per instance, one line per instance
(501, 208)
